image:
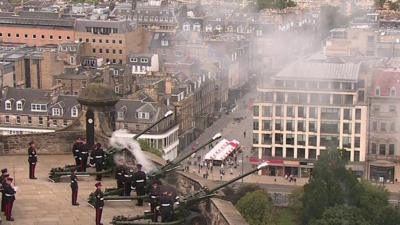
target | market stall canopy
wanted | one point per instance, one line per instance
(222, 150)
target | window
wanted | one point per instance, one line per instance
(357, 142)
(18, 120)
(17, 35)
(26, 35)
(143, 115)
(256, 125)
(278, 152)
(347, 114)
(356, 156)
(94, 40)
(144, 60)
(358, 114)
(374, 126)
(29, 120)
(278, 110)
(59, 37)
(280, 97)
(289, 139)
(377, 91)
(312, 140)
(393, 91)
(373, 149)
(94, 50)
(267, 125)
(279, 139)
(120, 52)
(289, 111)
(38, 107)
(301, 139)
(40, 121)
(313, 112)
(267, 152)
(100, 50)
(8, 105)
(267, 139)
(347, 128)
(289, 125)
(391, 149)
(133, 59)
(301, 125)
(301, 153)
(120, 41)
(65, 123)
(346, 142)
(382, 149)
(357, 128)
(114, 51)
(255, 138)
(312, 126)
(289, 153)
(278, 125)
(54, 122)
(34, 36)
(300, 112)
(51, 37)
(383, 127)
(56, 112)
(7, 119)
(74, 112)
(312, 153)
(43, 36)
(126, 126)
(116, 72)
(267, 111)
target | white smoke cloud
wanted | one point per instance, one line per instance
(123, 139)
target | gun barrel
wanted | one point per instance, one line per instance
(168, 114)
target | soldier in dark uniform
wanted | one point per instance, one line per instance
(119, 177)
(74, 187)
(166, 204)
(84, 155)
(76, 150)
(9, 193)
(97, 158)
(99, 203)
(32, 159)
(4, 175)
(139, 183)
(128, 174)
(154, 194)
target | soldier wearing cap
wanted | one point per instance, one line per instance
(83, 155)
(128, 174)
(166, 205)
(119, 177)
(76, 151)
(9, 193)
(154, 194)
(74, 188)
(99, 203)
(32, 159)
(98, 159)
(139, 183)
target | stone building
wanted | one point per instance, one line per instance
(24, 111)
(308, 107)
(36, 28)
(156, 15)
(384, 126)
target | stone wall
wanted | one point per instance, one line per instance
(59, 142)
(217, 211)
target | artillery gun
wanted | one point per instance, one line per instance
(112, 194)
(186, 210)
(56, 174)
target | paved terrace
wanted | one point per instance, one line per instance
(40, 202)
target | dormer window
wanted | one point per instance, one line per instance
(116, 72)
(74, 112)
(164, 42)
(186, 27)
(393, 91)
(8, 105)
(144, 60)
(133, 59)
(38, 107)
(56, 112)
(143, 115)
(120, 115)
(19, 106)
(377, 91)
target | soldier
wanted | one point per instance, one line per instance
(9, 192)
(154, 195)
(76, 150)
(84, 155)
(32, 159)
(128, 174)
(139, 183)
(4, 175)
(166, 204)
(97, 158)
(119, 176)
(74, 187)
(99, 203)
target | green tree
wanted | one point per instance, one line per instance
(147, 148)
(295, 201)
(372, 201)
(234, 196)
(341, 215)
(256, 208)
(379, 3)
(275, 4)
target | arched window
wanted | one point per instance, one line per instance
(8, 105)
(19, 105)
(74, 111)
(377, 91)
(393, 91)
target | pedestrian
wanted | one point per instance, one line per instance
(97, 160)
(74, 188)
(9, 192)
(139, 182)
(154, 195)
(83, 155)
(32, 159)
(76, 149)
(166, 204)
(128, 174)
(4, 175)
(99, 202)
(244, 134)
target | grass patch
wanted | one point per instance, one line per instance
(285, 216)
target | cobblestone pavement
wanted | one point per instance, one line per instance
(40, 202)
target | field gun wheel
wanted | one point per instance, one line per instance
(195, 219)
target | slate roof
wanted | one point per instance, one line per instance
(130, 107)
(320, 70)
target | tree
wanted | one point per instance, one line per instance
(295, 201)
(147, 148)
(257, 208)
(275, 4)
(372, 201)
(341, 215)
(379, 3)
(234, 196)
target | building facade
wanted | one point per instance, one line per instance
(308, 108)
